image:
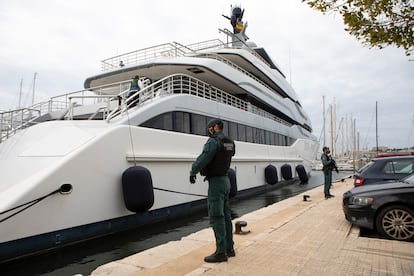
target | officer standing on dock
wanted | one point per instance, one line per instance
(214, 162)
(328, 165)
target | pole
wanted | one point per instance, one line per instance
(354, 142)
(333, 119)
(34, 84)
(376, 124)
(20, 93)
(332, 137)
(324, 120)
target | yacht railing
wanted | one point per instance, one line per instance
(234, 37)
(169, 49)
(162, 50)
(109, 106)
(235, 66)
(184, 84)
(13, 120)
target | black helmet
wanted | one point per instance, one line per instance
(214, 122)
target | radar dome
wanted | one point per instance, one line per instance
(251, 44)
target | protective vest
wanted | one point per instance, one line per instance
(134, 85)
(221, 161)
(326, 162)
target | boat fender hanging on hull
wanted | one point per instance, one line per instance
(233, 182)
(303, 176)
(286, 171)
(271, 175)
(137, 189)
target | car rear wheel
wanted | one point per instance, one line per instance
(396, 222)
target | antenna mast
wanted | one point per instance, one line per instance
(34, 84)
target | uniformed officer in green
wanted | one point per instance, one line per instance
(327, 163)
(214, 162)
(134, 87)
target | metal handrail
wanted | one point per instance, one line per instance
(170, 85)
(11, 121)
(230, 34)
(185, 84)
(167, 49)
(235, 66)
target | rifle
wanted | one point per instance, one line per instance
(334, 166)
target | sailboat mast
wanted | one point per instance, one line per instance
(332, 133)
(20, 93)
(376, 124)
(324, 120)
(34, 84)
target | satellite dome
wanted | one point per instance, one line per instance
(251, 44)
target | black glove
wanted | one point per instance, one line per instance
(192, 179)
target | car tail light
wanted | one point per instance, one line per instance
(358, 181)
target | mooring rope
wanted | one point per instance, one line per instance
(177, 192)
(27, 204)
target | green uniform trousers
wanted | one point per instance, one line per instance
(328, 181)
(219, 212)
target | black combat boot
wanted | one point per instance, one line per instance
(230, 253)
(216, 258)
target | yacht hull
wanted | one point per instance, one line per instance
(93, 166)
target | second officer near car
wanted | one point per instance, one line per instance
(214, 163)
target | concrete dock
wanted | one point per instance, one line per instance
(291, 237)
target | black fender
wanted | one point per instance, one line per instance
(233, 182)
(271, 175)
(137, 189)
(286, 171)
(303, 176)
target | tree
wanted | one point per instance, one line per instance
(377, 23)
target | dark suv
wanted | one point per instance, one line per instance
(383, 169)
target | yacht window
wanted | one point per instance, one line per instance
(185, 122)
(198, 124)
(233, 131)
(256, 136)
(226, 128)
(181, 122)
(267, 137)
(278, 139)
(249, 134)
(241, 133)
(273, 138)
(262, 139)
(163, 121)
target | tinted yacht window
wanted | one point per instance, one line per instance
(198, 124)
(249, 134)
(186, 122)
(233, 131)
(181, 122)
(241, 130)
(163, 121)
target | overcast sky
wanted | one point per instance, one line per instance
(64, 42)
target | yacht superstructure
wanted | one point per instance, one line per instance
(64, 162)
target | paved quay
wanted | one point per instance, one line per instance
(291, 237)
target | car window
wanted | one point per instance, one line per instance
(369, 164)
(407, 168)
(398, 166)
(410, 179)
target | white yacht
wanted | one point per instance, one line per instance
(105, 159)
